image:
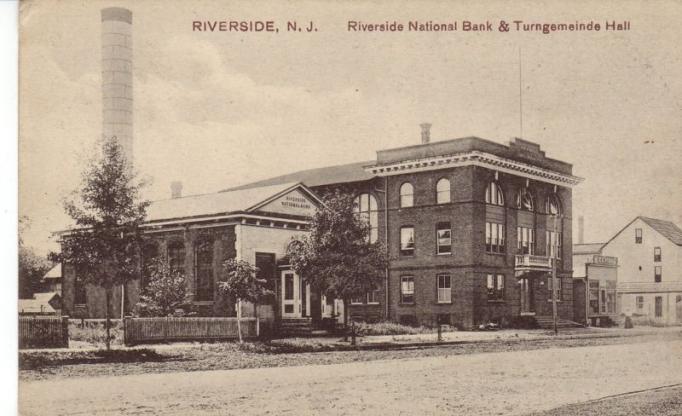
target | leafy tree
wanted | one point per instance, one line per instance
(337, 257)
(107, 211)
(165, 292)
(32, 267)
(239, 280)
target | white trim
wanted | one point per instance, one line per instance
(286, 191)
(224, 217)
(476, 158)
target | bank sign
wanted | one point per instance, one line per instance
(292, 203)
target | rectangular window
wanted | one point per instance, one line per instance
(373, 296)
(558, 288)
(525, 240)
(659, 306)
(658, 272)
(495, 287)
(407, 241)
(494, 237)
(407, 289)
(611, 301)
(80, 295)
(444, 238)
(657, 254)
(639, 303)
(356, 300)
(638, 236)
(444, 289)
(552, 246)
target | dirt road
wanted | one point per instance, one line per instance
(478, 384)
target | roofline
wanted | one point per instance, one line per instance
(641, 217)
(279, 194)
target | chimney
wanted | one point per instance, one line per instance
(581, 229)
(176, 189)
(117, 78)
(426, 132)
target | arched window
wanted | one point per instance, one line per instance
(365, 205)
(524, 200)
(176, 257)
(443, 191)
(553, 206)
(150, 253)
(406, 195)
(494, 194)
(203, 269)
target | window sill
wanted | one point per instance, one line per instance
(496, 301)
(373, 303)
(558, 300)
(444, 254)
(444, 303)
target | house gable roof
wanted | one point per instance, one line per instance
(666, 228)
(588, 248)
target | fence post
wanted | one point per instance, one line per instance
(65, 331)
(257, 327)
(126, 335)
(165, 330)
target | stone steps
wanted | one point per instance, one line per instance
(295, 327)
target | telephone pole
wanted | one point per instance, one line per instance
(553, 256)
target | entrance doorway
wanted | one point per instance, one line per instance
(295, 296)
(526, 296)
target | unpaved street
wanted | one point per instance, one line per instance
(478, 384)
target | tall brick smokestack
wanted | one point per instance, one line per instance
(581, 229)
(426, 132)
(117, 78)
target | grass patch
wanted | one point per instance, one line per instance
(36, 360)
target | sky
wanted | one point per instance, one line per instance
(220, 109)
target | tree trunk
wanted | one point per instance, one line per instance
(239, 320)
(108, 319)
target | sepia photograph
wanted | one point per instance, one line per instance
(348, 208)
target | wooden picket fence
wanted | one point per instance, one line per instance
(43, 332)
(150, 330)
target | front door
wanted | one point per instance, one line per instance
(291, 295)
(526, 292)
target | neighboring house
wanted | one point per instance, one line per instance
(596, 275)
(649, 253)
(471, 228)
(41, 304)
(52, 281)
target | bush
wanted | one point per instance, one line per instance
(391, 328)
(94, 332)
(39, 360)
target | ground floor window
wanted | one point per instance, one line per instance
(639, 303)
(594, 297)
(659, 306)
(373, 296)
(558, 287)
(444, 289)
(407, 289)
(495, 287)
(356, 300)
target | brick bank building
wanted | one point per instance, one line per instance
(469, 226)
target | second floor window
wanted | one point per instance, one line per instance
(406, 195)
(553, 247)
(494, 194)
(494, 237)
(524, 200)
(525, 238)
(443, 191)
(407, 289)
(365, 205)
(658, 274)
(443, 238)
(552, 206)
(495, 287)
(638, 236)
(407, 241)
(657, 254)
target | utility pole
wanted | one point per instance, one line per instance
(552, 253)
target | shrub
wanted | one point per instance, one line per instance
(391, 328)
(94, 332)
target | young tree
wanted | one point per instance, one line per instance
(32, 267)
(239, 281)
(107, 210)
(337, 257)
(165, 292)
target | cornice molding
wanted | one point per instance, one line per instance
(475, 158)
